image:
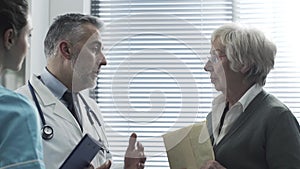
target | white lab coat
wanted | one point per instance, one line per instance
(67, 132)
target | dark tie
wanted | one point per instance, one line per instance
(68, 98)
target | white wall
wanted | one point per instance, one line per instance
(36, 61)
(43, 12)
(58, 7)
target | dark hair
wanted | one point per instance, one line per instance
(68, 27)
(13, 14)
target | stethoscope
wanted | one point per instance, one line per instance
(48, 132)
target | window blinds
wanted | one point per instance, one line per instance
(156, 50)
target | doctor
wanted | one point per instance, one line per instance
(73, 48)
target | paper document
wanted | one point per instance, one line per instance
(189, 147)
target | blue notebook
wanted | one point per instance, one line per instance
(83, 153)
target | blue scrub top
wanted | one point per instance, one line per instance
(20, 137)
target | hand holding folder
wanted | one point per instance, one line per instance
(189, 147)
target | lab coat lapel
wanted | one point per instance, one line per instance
(49, 101)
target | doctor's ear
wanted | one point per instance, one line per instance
(65, 49)
(9, 38)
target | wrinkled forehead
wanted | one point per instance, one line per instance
(96, 36)
(216, 44)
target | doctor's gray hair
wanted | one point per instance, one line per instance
(248, 48)
(69, 27)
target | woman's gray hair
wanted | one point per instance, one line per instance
(68, 27)
(247, 47)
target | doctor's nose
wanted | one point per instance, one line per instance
(102, 59)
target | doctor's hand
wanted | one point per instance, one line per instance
(134, 156)
(211, 164)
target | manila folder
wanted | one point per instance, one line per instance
(189, 147)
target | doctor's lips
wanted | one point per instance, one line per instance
(96, 72)
(98, 69)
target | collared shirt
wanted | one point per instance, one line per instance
(233, 113)
(58, 89)
(53, 84)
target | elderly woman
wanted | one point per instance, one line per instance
(250, 128)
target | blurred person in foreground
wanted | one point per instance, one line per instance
(249, 128)
(73, 48)
(20, 142)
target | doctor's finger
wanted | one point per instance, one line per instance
(140, 147)
(132, 141)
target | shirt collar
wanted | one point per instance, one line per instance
(53, 84)
(244, 100)
(250, 95)
(219, 99)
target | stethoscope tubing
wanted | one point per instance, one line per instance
(37, 103)
(89, 110)
(48, 132)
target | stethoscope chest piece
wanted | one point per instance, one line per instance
(47, 132)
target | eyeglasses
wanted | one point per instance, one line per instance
(214, 57)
